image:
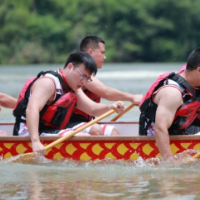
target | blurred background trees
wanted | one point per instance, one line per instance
(46, 31)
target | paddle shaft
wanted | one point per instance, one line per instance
(121, 114)
(196, 155)
(28, 157)
(65, 137)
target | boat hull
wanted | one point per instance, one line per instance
(98, 147)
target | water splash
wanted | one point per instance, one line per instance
(180, 160)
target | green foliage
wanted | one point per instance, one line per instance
(46, 31)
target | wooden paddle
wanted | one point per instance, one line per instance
(122, 113)
(28, 157)
(197, 155)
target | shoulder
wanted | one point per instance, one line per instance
(43, 83)
(169, 95)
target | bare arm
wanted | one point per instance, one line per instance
(168, 100)
(95, 109)
(111, 94)
(7, 101)
(42, 90)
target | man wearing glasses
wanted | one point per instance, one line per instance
(84, 78)
(95, 89)
(46, 102)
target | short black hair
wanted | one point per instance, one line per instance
(80, 57)
(90, 41)
(193, 60)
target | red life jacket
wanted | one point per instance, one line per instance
(80, 116)
(182, 69)
(198, 89)
(185, 114)
(56, 115)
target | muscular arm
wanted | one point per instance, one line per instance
(168, 100)
(95, 109)
(111, 94)
(7, 101)
(42, 90)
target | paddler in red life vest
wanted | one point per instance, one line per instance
(172, 105)
(95, 46)
(45, 103)
(8, 102)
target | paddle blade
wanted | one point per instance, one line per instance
(22, 158)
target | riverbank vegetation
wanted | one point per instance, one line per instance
(46, 31)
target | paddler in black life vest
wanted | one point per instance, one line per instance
(46, 102)
(95, 90)
(172, 105)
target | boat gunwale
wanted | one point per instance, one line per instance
(134, 138)
(102, 138)
(116, 122)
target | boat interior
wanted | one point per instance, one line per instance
(124, 128)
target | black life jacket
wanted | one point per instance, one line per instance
(56, 115)
(185, 114)
(80, 116)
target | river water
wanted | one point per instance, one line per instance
(107, 179)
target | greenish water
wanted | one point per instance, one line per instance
(106, 179)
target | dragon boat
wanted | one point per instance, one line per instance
(128, 146)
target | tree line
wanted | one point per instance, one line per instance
(46, 31)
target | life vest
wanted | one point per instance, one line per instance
(185, 114)
(183, 68)
(197, 91)
(57, 114)
(80, 116)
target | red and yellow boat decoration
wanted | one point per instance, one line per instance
(128, 146)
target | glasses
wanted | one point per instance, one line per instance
(83, 76)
